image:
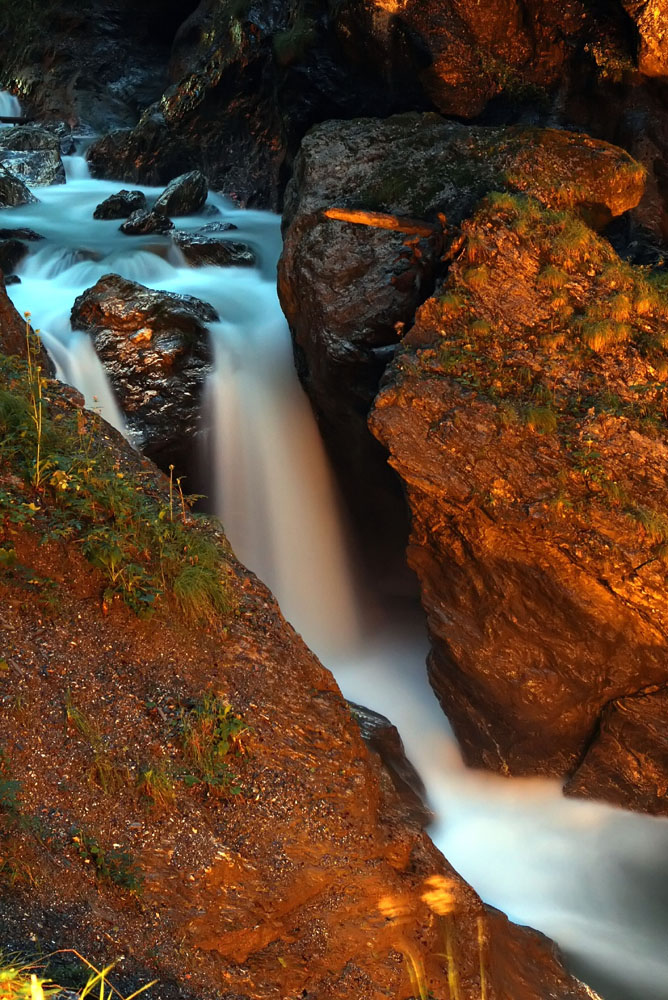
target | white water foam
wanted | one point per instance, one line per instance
(591, 876)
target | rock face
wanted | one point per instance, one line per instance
(155, 349)
(96, 63)
(249, 79)
(628, 762)
(382, 737)
(33, 154)
(348, 290)
(651, 18)
(534, 475)
(185, 195)
(202, 247)
(315, 816)
(13, 331)
(142, 222)
(121, 205)
(13, 191)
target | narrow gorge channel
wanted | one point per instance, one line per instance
(588, 875)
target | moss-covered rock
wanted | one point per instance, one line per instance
(526, 415)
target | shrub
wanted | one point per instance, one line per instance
(210, 731)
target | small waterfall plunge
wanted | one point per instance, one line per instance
(9, 106)
(593, 877)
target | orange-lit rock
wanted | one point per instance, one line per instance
(526, 416)
(348, 289)
(651, 17)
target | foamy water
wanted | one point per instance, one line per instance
(593, 877)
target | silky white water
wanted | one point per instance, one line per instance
(592, 877)
(9, 106)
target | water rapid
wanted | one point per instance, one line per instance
(591, 876)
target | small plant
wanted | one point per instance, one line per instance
(104, 772)
(552, 277)
(603, 334)
(477, 278)
(21, 980)
(210, 731)
(541, 419)
(156, 786)
(112, 865)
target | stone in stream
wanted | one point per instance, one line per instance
(155, 348)
(12, 253)
(20, 234)
(33, 154)
(201, 247)
(120, 205)
(143, 222)
(13, 192)
(185, 195)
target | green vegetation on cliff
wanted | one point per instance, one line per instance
(58, 477)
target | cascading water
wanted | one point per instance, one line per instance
(584, 873)
(9, 106)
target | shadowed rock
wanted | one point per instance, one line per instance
(143, 222)
(185, 195)
(380, 735)
(13, 192)
(201, 248)
(120, 205)
(33, 154)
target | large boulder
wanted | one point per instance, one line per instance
(185, 195)
(155, 349)
(348, 289)
(13, 192)
(120, 205)
(33, 154)
(526, 417)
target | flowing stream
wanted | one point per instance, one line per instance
(592, 877)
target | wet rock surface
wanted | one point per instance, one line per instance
(13, 191)
(121, 205)
(381, 736)
(12, 253)
(185, 195)
(143, 222)
(32, 154)
(155, 349)
(20, 234)
(202, 247)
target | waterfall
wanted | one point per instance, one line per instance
(9, 105)
(584, 873)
